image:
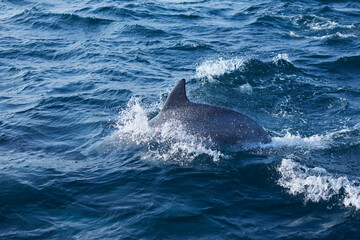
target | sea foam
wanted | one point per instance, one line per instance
(315, 141)
(316, 184)
(214, 68)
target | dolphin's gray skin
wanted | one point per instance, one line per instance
(222, 125)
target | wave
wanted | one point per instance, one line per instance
(317, 141)
(143, 12)
(118, 12)
(333, 36)
(303, 22)
(313, 22)
(137, 29)
(316, 184)
(212, 69)
(190, 47)
(346, 63)
(296, 140)
(313, 27)
(273, 21)
(38, 19)
(189, 16)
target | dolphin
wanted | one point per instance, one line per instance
(222, 126)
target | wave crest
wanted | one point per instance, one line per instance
(316, 184)
(50, 20)
(213, 69)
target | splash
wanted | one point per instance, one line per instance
(316, 184)
(316, 141)
(246, 88)
(281, 56)
(296, 140)
(214, 68)
(167, 143)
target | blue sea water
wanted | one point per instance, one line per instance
(80, 79)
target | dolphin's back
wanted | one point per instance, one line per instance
(222, 125)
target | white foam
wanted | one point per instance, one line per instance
(246, 88)
(313, 142)
(289, 139)
(320, 23)
(335, 35)
(325, 24)
(214, 68)
(293, 34)
(281, 56)
(167, 143)
(296, 140)
(316, 184)
(328, 36)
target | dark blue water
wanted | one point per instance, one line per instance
(79, 80)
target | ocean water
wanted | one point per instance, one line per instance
(80, 79)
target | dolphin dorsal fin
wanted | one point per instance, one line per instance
(177, 97)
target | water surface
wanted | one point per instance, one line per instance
(80, 79)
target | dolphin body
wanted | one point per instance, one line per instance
(223, 126)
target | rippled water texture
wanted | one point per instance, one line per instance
(80, 79)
